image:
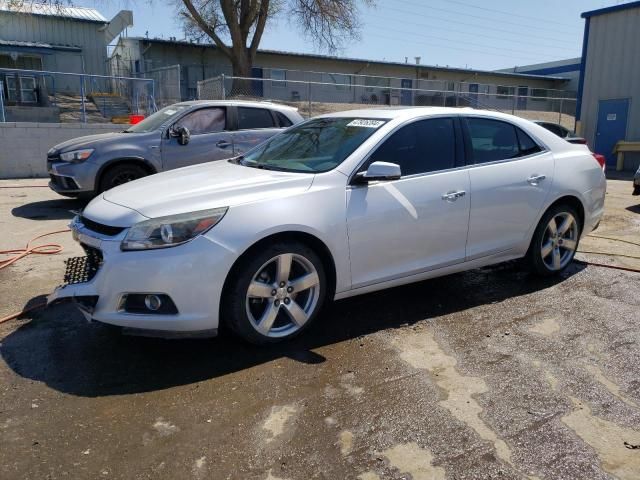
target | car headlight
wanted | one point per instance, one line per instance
(76, 156)
(170, 231)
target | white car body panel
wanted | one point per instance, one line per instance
(495, 223)
(378, 235)
(434, 231)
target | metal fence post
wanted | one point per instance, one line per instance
(2, 117)
(560, 113)
(309, 98)
(513, 104)
(82, 93)
(224, 92)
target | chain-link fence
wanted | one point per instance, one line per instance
(60, 97)
(319, 97)
(167, 84)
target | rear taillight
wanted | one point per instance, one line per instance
(602, 161)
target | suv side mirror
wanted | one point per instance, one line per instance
(181, 133)
(379, 171)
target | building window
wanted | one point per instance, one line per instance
(280, 76)
(371, 82)
(342, 82)
(451, 86)
(505, 92)
(539, 94)
(21, 89)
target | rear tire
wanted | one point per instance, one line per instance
(555, 241)
(120, 174)
(274, 293)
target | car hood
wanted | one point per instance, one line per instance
(93, 141)
(200, 187)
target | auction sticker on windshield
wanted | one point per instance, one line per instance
(365, 122)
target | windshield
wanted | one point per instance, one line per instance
(155, 121)
(315, 146)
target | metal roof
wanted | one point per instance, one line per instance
(360, 60)
(52, 10)
(16, 43)
(614, 8)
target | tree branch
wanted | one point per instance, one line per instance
(261, 23)
(206, 28)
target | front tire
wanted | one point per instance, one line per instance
(555, 241)
(275, 293)
(120, 174)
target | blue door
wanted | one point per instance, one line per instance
(612, 126)
(405, 96)
(256, 85)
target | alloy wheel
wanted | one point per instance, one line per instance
(124, 177)
(283, 295)
(559, 241)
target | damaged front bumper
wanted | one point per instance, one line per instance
(192, 275)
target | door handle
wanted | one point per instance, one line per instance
(535, 179)
(453, 196)
(223, 144)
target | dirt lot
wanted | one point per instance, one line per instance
(487, 374)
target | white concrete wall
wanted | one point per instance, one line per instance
(24, 146)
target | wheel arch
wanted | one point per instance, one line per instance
(574, 202)
(144, 163)
(312, 241)
(570, 199)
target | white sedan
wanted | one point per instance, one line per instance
(337, 206)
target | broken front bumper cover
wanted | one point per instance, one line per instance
(98, 282)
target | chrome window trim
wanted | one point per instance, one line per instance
(507, 160)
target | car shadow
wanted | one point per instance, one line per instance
(59, 209)
(58, 347)
(634, 208)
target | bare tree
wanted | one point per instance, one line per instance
(242, 22)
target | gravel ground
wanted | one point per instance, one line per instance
(491, 373)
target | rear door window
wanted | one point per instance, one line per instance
(493, 140)
(251, 118)
(527, 145)
(283, 120)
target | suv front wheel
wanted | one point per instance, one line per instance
(120, 174)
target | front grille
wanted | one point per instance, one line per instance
(100, 228)
(83, 269)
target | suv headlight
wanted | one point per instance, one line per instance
(76, 156)
(170, 231)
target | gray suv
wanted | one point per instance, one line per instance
(182, 134)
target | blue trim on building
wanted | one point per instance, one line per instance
(583, 66)
(614, 8)
(575, 67)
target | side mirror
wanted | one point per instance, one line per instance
(181, 133)
(379, 171)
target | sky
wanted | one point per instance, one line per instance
(479, 34)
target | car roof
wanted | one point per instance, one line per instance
(392, 113)
(237, 103)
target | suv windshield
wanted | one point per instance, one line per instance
(315, 146)
(155, 121)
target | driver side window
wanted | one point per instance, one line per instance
(204, 120)
(420, 147)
